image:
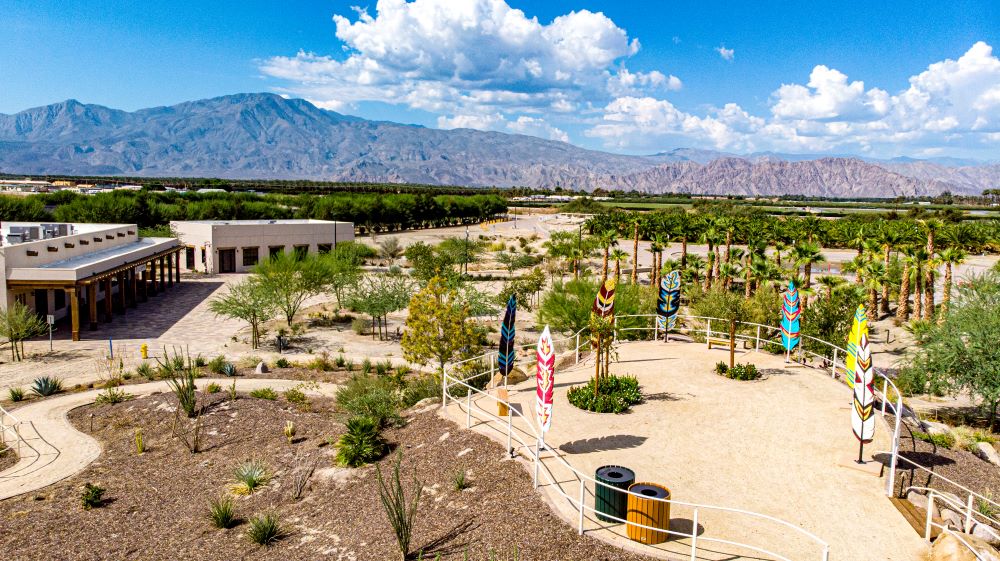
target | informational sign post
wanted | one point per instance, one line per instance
(51, 320)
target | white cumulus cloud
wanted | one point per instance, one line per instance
(726, 54)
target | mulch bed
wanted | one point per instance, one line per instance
(8, 458)
(959, 465)
(156, 504)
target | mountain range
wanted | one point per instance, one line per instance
(266, 136)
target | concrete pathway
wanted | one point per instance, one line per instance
(57, 450)
(773, 446)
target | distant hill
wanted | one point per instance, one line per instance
(263, 136)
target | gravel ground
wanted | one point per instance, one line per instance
(156, 504)
(7, 459)
(958, 465)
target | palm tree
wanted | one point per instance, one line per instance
(831, 282)
(857, 241)
(617, 255)
(695, 266)
(779, 246)
(909, 263)
(931, 227)
(635, 249)
(873, 274)
(655, 249)
(917, 272)
(763, 270)
(805, 255)
(728, 224)
(889, 238)
(606, 238)
(949, 256)
(726, 273)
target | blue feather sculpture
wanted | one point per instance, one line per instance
(507, 354)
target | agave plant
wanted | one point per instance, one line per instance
(46, 385)
(229, 369)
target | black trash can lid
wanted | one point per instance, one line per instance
(649, 491)
(615, 474)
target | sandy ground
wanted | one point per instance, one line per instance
(772, 446)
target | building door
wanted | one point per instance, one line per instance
(227, 260)
(189, 258)
(42, 301)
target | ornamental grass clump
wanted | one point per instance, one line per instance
(250, 475)
(16, 394)
(361, 444)
(372, 397)
(265, 529)
(614, 394)
(112, 396)
(264, 393)
(222, 512)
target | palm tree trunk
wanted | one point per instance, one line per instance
(635, 254)
(872, 305)
(918, 294)
(604, 266)
(715, 273)
(807, 272)
(618, 270)
(857, 273)
(729, 244)
(903, 309)
(946, 297)
(885, 286)
(746, 278)
(684, 252)
(929, 294)
(708, 272)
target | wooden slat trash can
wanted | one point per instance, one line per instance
(503, 396)
(643, 508)
(610, 499)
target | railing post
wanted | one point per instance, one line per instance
(614, 324)
(582, 498)
(510, 451)
(930, 511)
(833, 367)
(894, 449)
(756, 345)
(826, 553)
(708, 332)
(468, 408)
(694, 536)
(968, 514)
(578, 348)
(444, 388)
(885, 394)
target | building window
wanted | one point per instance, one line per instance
(250, 256)
(324, 248)
(301, 251)
(275, 250)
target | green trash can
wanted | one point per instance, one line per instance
(611, 499)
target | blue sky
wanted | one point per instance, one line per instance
(875, 78)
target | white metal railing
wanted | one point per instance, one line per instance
(972, 514)
(11, 438)
(448, 383)
(930, 524)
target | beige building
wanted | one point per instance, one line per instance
(85, 273)
(235, 246)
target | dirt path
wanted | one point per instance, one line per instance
(58, 450)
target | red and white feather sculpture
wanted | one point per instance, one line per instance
(863, 412)
(545, 380)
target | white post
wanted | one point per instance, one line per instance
(756, 345)
(577, 348)
(582, 498)
(894, 458)
(493, 365)
(833, 368)
(538, 444)
(509, 451)
(694, 536)
(708, 332)
(968, 514)
(468, 408)
(927, 524)
(885, 394)
(444, 388)
(614, 325)
(656, 329)
(826, 553)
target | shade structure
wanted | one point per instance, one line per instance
(863, 411)
(544, 380)
(790, 311)
(611, 499)
(860, 323)
(646, 507)
(507, 354)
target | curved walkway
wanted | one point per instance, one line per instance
(64, 451)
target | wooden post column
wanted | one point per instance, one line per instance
(177, 267)
(74, 311)
(92, 305)
(169, 259)
(133, 289)
(143, 284)
(151, 268)
(108, 302)
(163, 284)
(122, 292)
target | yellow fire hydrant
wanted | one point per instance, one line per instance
(144, 350)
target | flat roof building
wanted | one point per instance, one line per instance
(83, 272)
(235, 246)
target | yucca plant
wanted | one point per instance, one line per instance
(361, 444)
(222, 512)
(16, 394)
(265, 529)
(249, 476)
(112, 396)
(46, 386)
(400, 511)
(185, 390)
(144, 370)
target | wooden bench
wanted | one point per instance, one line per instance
(720, 342)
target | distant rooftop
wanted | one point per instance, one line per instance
(253, 222)
(20, 232)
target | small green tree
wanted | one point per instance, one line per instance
(436, 328)
(344, 271)
(18, 324)
(291, 280)
(730, 306)
(249, 301)
(378, 296)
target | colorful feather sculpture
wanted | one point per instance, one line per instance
(507, 354)
(545, 380)
(860, 323)
(790, 311)
(662, 304)
(863, 412)
(604, 304)
(673, 279)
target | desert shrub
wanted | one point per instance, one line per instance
(296, 396)
(460, 480)
(144, 370)
(943, 439)
(969, 438)
(721, 368)
(213, 388)
(361, 326)
(368, 396)
(340, 361)
(282, 363)
(615, 394)
(743, 372)
(349, 366)
(321, 363)
(265, 529)
(46, 385)
(566, 308)
(366, 366)
(986, 507)
(249, 361)
(199, 361)
(250, 475)
(420, 388)
(400, 511)
(361, 444)
(112, 396)
(264, 393)
(92, 496)
(222, 512)
(16, 394)
(216, 365)
(184, 388)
